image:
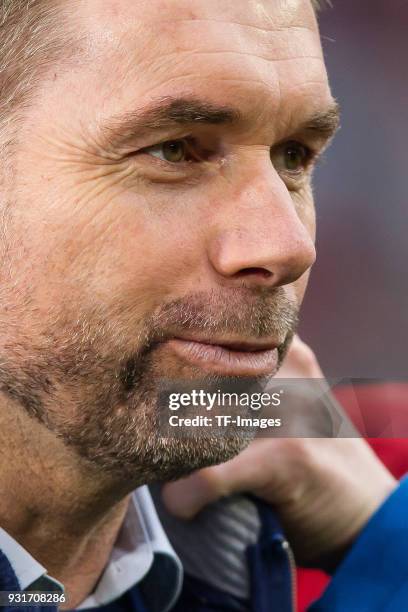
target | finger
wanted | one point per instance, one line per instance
(185, 498)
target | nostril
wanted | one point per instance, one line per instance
(259, 272)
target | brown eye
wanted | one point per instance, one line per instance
(295, 157)
(172, 151)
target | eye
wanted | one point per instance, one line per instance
(296, 156)
(172, 151)
(292, 157)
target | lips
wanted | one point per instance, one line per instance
(228, 357)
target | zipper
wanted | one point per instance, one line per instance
(292, 567)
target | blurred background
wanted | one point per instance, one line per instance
(356, 310)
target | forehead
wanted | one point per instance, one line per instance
(256, 53)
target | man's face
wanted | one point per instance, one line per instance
(161, 202)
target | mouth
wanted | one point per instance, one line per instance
(232, 357)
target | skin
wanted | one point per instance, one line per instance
(109, 250)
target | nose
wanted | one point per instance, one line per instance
(259, 238)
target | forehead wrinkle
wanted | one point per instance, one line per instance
(158, 28)
(159, 61)
(251, 13)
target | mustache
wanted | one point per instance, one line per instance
(236, 312)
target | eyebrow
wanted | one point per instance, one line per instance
(325, 122)
(167, 113)
(178, 112)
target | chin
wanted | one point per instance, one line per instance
(164, 459)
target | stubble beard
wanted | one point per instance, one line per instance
(99, 396)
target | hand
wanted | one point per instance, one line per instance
(324, 490)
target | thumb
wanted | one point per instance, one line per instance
(185, 498)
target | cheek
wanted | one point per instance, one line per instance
(300, 287)
(99, 242)
(306, 211)
(143, 262)
(310, 222)
(136, 259)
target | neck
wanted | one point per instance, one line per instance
(64, 513)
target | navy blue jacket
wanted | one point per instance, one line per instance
(373, 577)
